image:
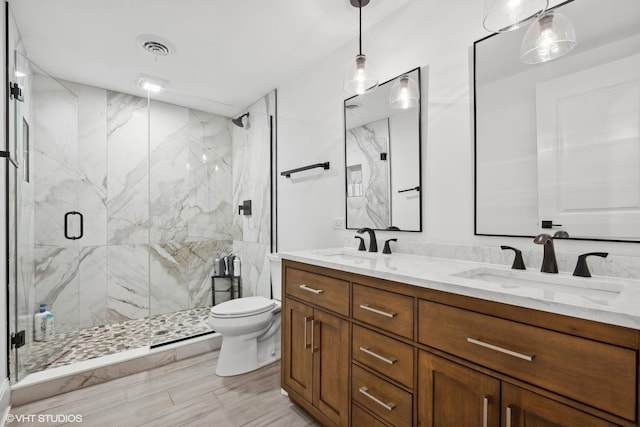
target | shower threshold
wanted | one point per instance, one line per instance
(62, 379)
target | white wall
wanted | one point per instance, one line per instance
(437, 36)
(405, 171)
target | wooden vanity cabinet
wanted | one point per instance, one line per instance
(452, 394)
(522, 408)
(315, 351)
(392, 354)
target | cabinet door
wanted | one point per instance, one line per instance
(331, 367)
(524, 408)
(297, 369)
(451, 395)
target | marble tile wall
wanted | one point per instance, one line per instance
(151, 228)
(252, 181)
(190, 216)
(368, 201)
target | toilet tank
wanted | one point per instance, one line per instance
(275, 264)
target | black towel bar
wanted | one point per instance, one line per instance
(410, 189)
(288, 173)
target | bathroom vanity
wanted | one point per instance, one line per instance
(401, 340)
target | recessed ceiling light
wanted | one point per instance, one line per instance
(152, 84)
(19, 73)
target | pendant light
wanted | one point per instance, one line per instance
(404, 93)
(549, 37)
(361, 75)
(506, 15)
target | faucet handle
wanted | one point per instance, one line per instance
(361, 247)
(387, 249)
(518, 262)
(582, 270)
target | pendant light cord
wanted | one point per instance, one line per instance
(360, 26)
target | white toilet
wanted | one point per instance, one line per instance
(250, 327)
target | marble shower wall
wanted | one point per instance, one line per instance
(252, 181)
(157, 208)
(190, 204)
(368, 198)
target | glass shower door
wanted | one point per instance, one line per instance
(45, 225)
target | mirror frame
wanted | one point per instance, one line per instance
(420, 199)
(475, 158)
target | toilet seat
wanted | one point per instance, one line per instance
(242, 307)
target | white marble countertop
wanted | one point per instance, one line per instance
(603, 299)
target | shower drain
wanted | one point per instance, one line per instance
(155, 45)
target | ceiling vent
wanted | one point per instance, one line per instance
(156, 46)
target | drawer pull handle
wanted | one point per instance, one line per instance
(485, 412)
(308, 289)
(388, 406)
(375, 310)
(306, 344)
(390, 360)
(508, 416)
(313, 328)
(522, 356)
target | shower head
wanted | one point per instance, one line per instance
(238, 120)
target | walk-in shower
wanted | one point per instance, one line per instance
(119, 205)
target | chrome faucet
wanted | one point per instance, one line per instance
(373, 244)
(549, 264)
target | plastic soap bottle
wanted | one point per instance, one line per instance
(236, 266)
(40, 323)
(49, 328)
(216, 266)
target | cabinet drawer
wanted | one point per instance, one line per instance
(389, 402)
(598, 374)
(386, 310)
(360, 417)
(323, 291)
(386, 355)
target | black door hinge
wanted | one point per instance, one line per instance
(17, 339)
(16, 91)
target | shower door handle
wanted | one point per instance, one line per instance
(81, 225)
(66, 225)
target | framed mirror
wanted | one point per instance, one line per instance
(383, 180)
(557, 144)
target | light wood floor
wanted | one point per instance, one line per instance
(184, 393)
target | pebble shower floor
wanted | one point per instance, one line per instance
(97, 341)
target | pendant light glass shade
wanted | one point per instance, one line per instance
(549, 37)
(507, 15)
(404, 93)
(361, 76)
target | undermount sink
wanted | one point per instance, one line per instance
(348, 254)
(557, 283)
